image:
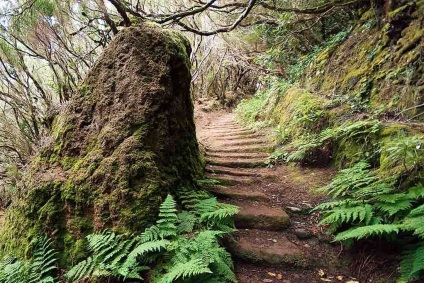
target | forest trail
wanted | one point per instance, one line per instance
(276, 241)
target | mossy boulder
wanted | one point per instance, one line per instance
(124, 141)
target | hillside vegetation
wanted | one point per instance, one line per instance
(356, 102)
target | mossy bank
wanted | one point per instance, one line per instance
(352, 95)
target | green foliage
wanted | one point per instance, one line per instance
(360, 132)
(296, 70)
(182, 245)
(294, 53)
(370, 204)
(255, 111)
(412, 263)
(407, 152)
(39, 269)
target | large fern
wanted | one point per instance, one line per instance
(183, 246)
(367, 204)
(108, 252)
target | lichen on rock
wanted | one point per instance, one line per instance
(125, 141)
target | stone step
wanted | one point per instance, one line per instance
(238, 193)
(238, 137)
(239, 149)
(223, 119)
(238, 155)
(224, 132)
(258, 215)
(236, 163)
(245, 142)
(225, 128)
(230, 171)
(225, 123)
(269, 248)
(231, 180)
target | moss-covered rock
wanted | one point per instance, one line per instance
(124, 142)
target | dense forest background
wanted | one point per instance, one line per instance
(337, 82)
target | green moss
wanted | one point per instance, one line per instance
(354, 76)
(74, 249)
(399, 11)
(299, 111)
(348, 152)
(53, 158)
(84, 91)
(366, 65)
(68, 162)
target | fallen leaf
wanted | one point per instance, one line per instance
(279, 276)
(267, 280)
(321, 273)
(272, 274)
(340, 278)
(325, 279)
(350, 281)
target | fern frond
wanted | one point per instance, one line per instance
(44, 261)
(185, 270)
(412, 263)
(368, 231)
(150, 234)
(338, 203)
(362, 213)
(414, 224)
(205, 205)
(416, 192)
(142, 249)
(393, 208)
(296, 156)
(417, 211)
(186, 222)
(370, 189)
(167, 218)
(390, 198)
(189, 198)
(224, 211)
(81, 270)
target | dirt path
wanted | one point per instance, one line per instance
(276, 241)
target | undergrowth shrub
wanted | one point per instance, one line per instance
(307, 147)
(385, 201)
(182, 246)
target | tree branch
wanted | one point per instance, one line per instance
(224, 29)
